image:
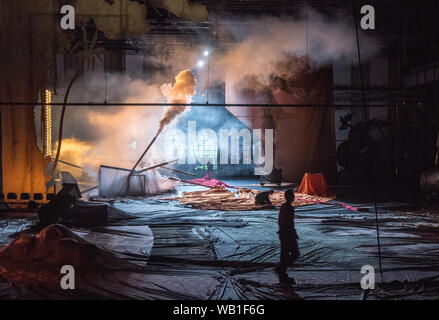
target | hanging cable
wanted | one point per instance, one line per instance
(108, 62)
(366, 118)
(307, 34)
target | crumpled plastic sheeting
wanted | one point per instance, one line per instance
(211, 254)
(120, 239)
(36, 260)
(334, 242)
(242, 200)
(114, 182)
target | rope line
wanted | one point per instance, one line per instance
(366, 118)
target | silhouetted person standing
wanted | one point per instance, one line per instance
(289, 250)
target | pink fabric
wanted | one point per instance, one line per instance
(213, 183)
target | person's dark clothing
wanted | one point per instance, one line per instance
(263, 198)
(289, 249)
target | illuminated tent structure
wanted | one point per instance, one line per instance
(219, 119)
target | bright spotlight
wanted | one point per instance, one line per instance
(206, 53)
(200, 63)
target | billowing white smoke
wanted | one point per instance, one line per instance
(258, 46)
(108, 135)
(262, 43)
(116, 136)
(181, 92)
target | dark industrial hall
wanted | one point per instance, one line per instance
(219, 150)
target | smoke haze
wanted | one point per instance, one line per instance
(248, 47)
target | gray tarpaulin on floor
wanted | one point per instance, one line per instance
(196, 254)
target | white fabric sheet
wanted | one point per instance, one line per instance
(113, 182)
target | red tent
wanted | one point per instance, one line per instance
(314, 185)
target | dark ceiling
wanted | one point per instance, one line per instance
(409, 29)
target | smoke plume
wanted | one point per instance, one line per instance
(181, 92)
(260, 44)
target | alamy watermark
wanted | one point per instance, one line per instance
(68, 281)
(67, 21)
(368, 280)
(232, 146)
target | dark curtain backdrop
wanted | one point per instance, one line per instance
(304, 136)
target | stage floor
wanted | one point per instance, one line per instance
(198, 254)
